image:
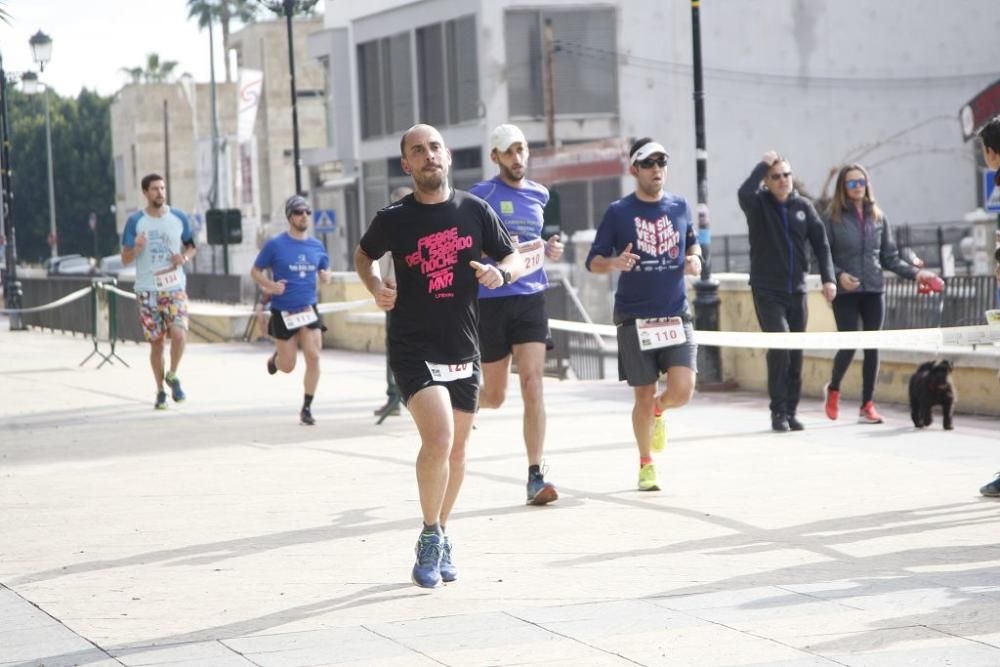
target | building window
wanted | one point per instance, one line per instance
(430, 68)
(584, 61)
(370, 82)
(386, 85)
(463, 70)
(447, 66)
(583, 203)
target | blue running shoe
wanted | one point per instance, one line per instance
(540, 492)
(427, 569)
(175, 387)
(448, 570)
(161, 400)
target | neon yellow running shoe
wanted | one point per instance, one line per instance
(659, 442)
(647, 478)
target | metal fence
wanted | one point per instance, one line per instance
(961, 303)
(582, 354)
(77, 316)
(731, 253)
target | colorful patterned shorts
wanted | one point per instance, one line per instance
(158, 311)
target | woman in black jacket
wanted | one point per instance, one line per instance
(780, 222)
(862, 247)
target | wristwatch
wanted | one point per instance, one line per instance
(505, 275)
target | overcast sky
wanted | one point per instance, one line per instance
(93, 39)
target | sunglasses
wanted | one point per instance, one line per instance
(301, 211)
(856, 183)
(780, 175)
(651, 162)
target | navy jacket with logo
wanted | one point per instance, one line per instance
(778, 235)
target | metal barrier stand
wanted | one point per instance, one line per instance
(104, 318)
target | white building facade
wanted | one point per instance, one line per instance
(823, 82)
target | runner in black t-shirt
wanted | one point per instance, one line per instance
(436, 236)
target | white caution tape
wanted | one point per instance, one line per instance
(227, 310)
(890, 339)
(119, 292)
(72, 296)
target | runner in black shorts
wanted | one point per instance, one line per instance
(512, 321)
(295, 260)
(648, 236)
(437, 237)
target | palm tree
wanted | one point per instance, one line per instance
(155, 71)
(133, 73)
(158, 71)
(223, 11)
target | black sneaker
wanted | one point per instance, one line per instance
(992, 490)
(779, 422)
(306, 417)
(161, 401)
(272, 367)
(794, 424)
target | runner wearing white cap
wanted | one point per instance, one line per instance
(513, 325)
(648, 236)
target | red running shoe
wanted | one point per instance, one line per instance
(869, 415)
(832, 399)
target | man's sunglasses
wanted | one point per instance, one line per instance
(780, 175)
(856, 183)
(651, 162)
(301, 211)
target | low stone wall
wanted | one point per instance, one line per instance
(975, 376)
(360, 329)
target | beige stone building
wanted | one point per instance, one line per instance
(150, 121)
(153, 120)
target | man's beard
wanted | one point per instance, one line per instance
(509, 174)
(430, 181)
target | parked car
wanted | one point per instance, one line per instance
(112, 266)
(69, 265)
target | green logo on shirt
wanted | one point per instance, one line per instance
(507, 207)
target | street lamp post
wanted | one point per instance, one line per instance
(288, 9)
(11, 286)
(41, 51)
(706, 301)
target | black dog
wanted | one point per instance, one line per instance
(931, 385)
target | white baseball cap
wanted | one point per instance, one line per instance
(648, 149)
(504, 135)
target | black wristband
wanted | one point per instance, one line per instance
(505, 275)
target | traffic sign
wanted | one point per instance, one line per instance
(325, 220)
(991, 193)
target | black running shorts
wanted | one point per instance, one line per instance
(412, 376)
(276, 326)
(506, 321)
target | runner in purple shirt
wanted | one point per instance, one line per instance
(512, 319)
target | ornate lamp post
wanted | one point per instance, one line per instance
(41, 51)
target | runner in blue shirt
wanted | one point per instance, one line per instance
(158, 239)
(648, 236)
(512, 319)
(294, 260)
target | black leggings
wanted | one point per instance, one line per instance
(870, 306)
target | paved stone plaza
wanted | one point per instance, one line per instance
(221, 532)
